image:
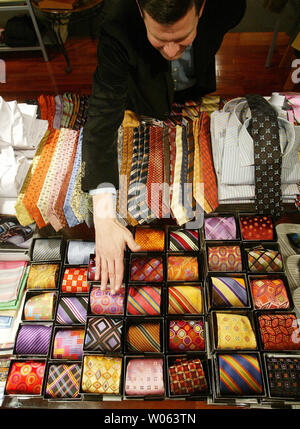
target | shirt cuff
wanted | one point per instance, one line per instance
(103, 188)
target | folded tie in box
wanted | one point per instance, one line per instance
(283, 376)
(78, 252)
(103, 302)
(147, 268)
(270, 292)
(47, 249)
(26, 377)
(227, 291)
(75, 280)
(33, 339)
(151, 239)
(72, 310)
(43, 276)
(67, 343)
(185, 267)
(221, 227)
(224, 257)
(263, 258)
(186, 334)
(185, 299)
(104, 335)
(62, 380)
(144, 377)
(144, 335)
(101, 375)
(144, 300)
(183, 240)
(39, 306)
(257, 227)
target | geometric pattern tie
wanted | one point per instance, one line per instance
(225, 259)
(183, 268)
(103, 335)
(284, 376)
(258, 228)
(25, 378)
(220, 228)
(102, 302)
(75, 280)
(101, 374)
(72, 310)
(185, 300)
(68, 344)
(150, 239)
(264, 130)
(146, 269)
(235, 332)
(279, 332)
(229, 292)
(63, 381)
(47, 250)
(239, 374)
(43, 276)
(144, 300)
(186, 239)
(262, 260)
(40, 307)
(145, 377)
(269, 293)
(186, 335)
(187, 377)
(33, 340)
(144, 337)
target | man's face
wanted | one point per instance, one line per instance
(172, 40)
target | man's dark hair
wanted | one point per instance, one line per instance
(168, 11)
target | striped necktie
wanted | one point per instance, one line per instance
(72, 310)
(185, 300)
(240, 374)
(228, 292)
(33, 340)
(144, 300)
(103, 335)
(47, 249)
(135, 170)
(144, 337)
(184, 240)
(63, 381)
(261, 260)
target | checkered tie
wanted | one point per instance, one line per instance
(146, 269)
(63, 381)
(261, 260)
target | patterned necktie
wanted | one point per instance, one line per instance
(101, 375)
(264, 130)
(225, 259)
(102, 302)
(47, 250)
(25, 378)
(33, 340)
(137, 156)
(150, 239)
(79, 252)
(220, 228)
(258, 228)
(185, 239)
(144, 211)
(187, 377)
(63, 381)
(283, 376)
(183, 268)
(72, 310)
(185, 300)
(40, 307)
(234, 332)
(279, 332)
(75, 280)
(261, 260)
(186, 335)
(143, 300)
(103, 335)
(145, 377)
(269, 293)
(228, 292)
(144, 337)
(146, 269)
(43, 276)
(239, 374)
(68, 344)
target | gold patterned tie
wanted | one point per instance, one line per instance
(101, 375)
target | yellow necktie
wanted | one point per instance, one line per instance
(235, 332)
(101, 375)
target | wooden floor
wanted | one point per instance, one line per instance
(240, 68)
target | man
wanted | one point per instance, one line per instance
(150, 53)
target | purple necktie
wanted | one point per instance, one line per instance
(220, 228)
(33, 340)
(72, 310)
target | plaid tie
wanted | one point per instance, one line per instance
(33, 340)
(261, 260)
(283, 376)
(150, 239)
(144, 337)
(75, 280)
(269, 293)
(257, 227)
(143, 300)
(185, 300)
(225, 258)
(68, 344)
(72, 310)
(183, 268)
(229, 292)
(63, 381)
(279, 332)
(146, 269)
(187, 377)
(40, 307)
(25, 378)
(239, 374)
(47, 249)
(101, 375)
(103, 335)
(43, 276)
(220, 228)
(186, 335)
(185, 239)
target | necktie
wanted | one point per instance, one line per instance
(150, 239)
(155, 171)
(101, 375)
(75, 280)
(143, 300)
(228, 292)
(187, 377)
(143, 209)
(72, 310)
(47, 249)
(220, 228)
(261, 260)
(283, 376)
(58, 111)
(33, 340)
(40, 307)
(172, 136)
(63, 381)
(123, 188)
(25, 378)
(79, 252)
(264, 129)
(279, 332)
(43, 276)
(185, 300)
(144, 337)
(234, 332)
(144, 377)
(198, 186)
(103, 335)
(186, 239)
(68, 344)
(186, 335)
(257, 228)
(146, 269)
(137, 156)
(166, 180)
(225, 258)
(102, 302)
(183, 268)
(269, 293)
(239, 374)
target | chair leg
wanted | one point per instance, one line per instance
(273, 43)
(37, 31)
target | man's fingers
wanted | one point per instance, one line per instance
(111, 274)
(98, 268)
(104, 274)
(119, 267)
(133, 246)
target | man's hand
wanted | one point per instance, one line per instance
(111, 238)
